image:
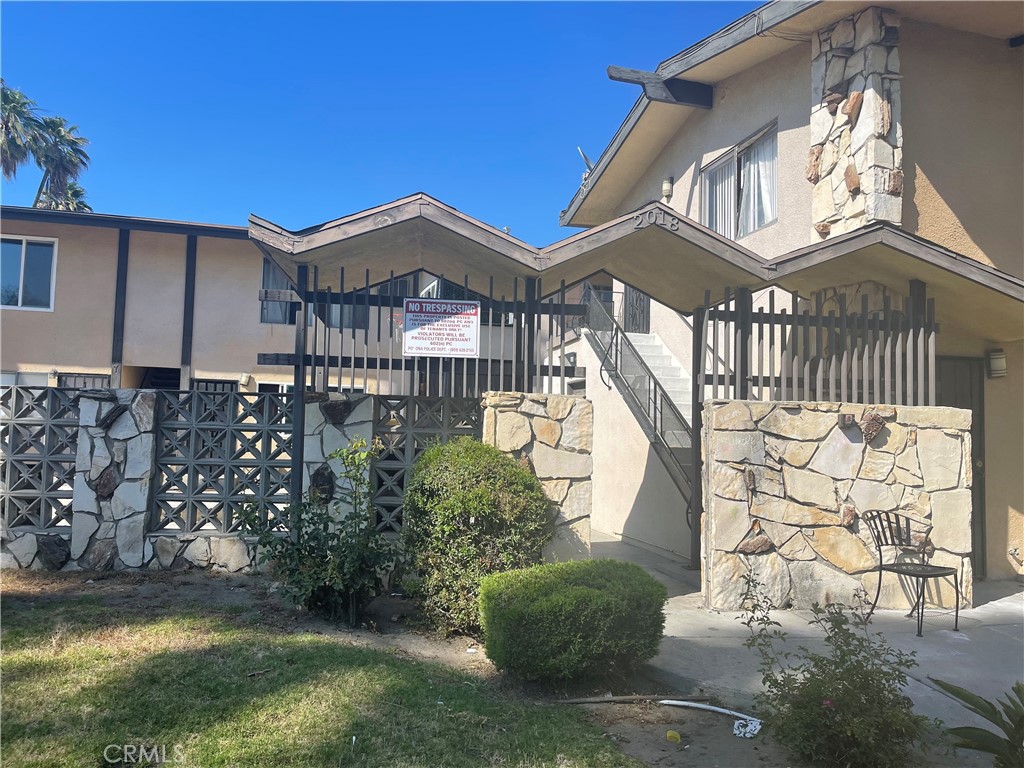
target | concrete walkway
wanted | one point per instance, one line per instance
(704, 649)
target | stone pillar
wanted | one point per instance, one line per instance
(332, 421)
(113, 479)
(856, 156)
(554, 435)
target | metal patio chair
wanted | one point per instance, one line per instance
(891, 529)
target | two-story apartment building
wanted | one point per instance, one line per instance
(803, 132)
(98, 300)
(838, 147)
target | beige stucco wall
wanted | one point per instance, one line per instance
(634, 496)
(227, 332)
(775, 90)
(76, 336)
(963, 123)
(154, 306)
(1004, 457)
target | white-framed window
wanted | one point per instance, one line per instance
(21, 379)
(28, 266)
(739, 194)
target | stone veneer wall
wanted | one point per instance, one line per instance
(856, 156)
(785, 485)
(332, 421)
(554, 436)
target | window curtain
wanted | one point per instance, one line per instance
(720, 198)
(276, 280)
(757, 185)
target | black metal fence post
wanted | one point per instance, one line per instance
(299, 381)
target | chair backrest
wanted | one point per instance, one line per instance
(890, 529)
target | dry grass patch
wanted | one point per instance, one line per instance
(230, 685)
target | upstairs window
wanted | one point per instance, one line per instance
(739, 189)
(27, 267)
(274, 280)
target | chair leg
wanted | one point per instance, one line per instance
(878, 593)
(920, 606)
(956, 609)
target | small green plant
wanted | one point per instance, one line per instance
(844, 706)
(470, 511)
(333, 558)
(566, 620)
(1007, 748)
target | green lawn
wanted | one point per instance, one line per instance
(79, 674)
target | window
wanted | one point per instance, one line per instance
(83, 380)
(280, 312)
(214, 385)
(275, 280)
(26, 273)
(739, 188)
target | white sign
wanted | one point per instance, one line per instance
(441, 328)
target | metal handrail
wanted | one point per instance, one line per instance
(658, 404)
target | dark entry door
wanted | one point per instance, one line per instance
(960, 383)
(637, 311)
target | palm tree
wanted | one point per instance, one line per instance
(22, 129)
(62, 157)
(52, 142)
(72, 200)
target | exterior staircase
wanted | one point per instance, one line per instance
(653, 385)
(675, 380)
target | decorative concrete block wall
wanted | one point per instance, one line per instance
(554, 436)
(332, 421)
(785, 486)
(113, 474)
(856, 156)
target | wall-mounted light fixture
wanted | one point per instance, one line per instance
(245, 379)
(996, 363)
(666, 188)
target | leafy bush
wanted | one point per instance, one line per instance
(841, 707)
(1008, 748)
(566, 620)
(470, 510)
(333, 560)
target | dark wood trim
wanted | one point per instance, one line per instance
(287, 359)
(887, 234)
(18, 213)
(1016, 42)
(565, 218)
(298, 404)
(120, 296)
(188, 319)
(753, 25)
(682, 92)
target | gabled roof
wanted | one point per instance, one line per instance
(654, 249)
(761, 34)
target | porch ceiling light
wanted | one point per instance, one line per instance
(996, 363)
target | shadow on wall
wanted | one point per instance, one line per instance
(658, 514)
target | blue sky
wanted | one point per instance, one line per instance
(304, 112)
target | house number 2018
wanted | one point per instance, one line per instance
(658, 217)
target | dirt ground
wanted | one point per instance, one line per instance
(640, 729)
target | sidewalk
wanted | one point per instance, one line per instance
(704, 649)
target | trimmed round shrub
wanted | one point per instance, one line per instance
(567, 620)
(470, 511)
